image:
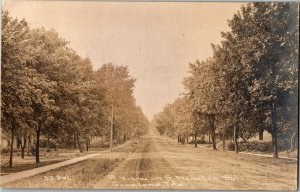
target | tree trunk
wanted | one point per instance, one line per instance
(13, 126)
(223, 138)
(211, 119)
(78, 143)
(48, 139)
(23, 145)
(112, 127)
(261, 134)
(196, 143)
(29, 145)
(22, 151)
(74, 141)
(178, 138)
(213, 138)
(292, 142)
(90, 140)
(87, 144)
(236, 139)
(37, 144)
(67, 143)
(274, 130)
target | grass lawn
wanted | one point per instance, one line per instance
(77, 175)
(46, 158)
(26, 166)
(80, 175)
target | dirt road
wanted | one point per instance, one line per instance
(161, 163)
(157, 162)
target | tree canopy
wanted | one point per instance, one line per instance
(250, 84)
(49, 90)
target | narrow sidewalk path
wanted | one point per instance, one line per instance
(255, 154)
(24, 174)
(264, 155)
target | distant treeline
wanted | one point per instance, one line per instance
(249, 85)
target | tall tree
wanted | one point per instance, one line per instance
(268, 33)
(17, 76)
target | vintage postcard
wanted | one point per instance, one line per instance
(149, 95)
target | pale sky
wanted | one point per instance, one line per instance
(157, 40)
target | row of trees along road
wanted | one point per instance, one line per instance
(47, 89)
(249, 85)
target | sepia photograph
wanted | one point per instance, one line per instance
(149, 95)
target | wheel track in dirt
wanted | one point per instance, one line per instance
(143, 164)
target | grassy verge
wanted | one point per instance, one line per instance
(47, 158)
(81, 175)
(78, 175)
